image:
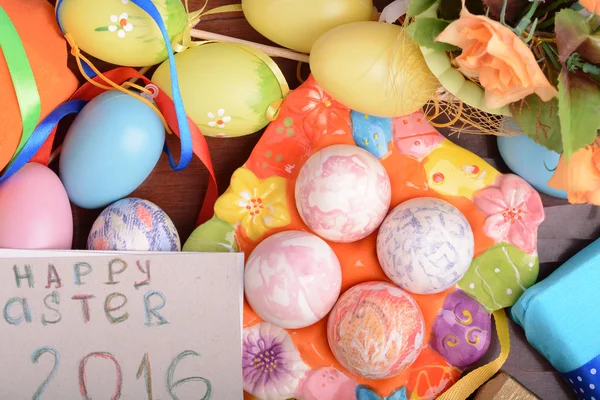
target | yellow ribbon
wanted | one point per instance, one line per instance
(76, 52)
(184, 41)
(462, 389)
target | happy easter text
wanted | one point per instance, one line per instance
(18, 309)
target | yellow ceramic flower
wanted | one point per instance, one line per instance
(257, 205)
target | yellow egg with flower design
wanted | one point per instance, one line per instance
(228, 90)
(119, 31)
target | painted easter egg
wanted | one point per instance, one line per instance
(133, 225)
(298, 24)
(343, 193)
(376, 330)
(35, 212)
(292, 279)
(425, 245)
(531, 161)
(373, 68)
(120, 32)
(213, 236)
(110, 149)
(227, 89)
(462, 331)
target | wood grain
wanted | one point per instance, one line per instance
(180, 195)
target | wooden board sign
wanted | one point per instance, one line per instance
(157, 326)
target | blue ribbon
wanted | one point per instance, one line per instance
(182, 122)
(40, 134)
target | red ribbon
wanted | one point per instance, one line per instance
(166, 107)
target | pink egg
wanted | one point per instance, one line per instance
(343, 193)
(376, 330)
(292, 279)
(35, 212)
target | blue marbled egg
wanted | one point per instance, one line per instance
(133, 225)
(373, 134)
(425, 245)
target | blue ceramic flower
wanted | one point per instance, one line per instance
(364, 393)
(373, 134)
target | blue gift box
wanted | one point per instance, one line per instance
(561, 319)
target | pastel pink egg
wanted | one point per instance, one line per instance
(343, 193)
(292, 279)
(376, 330)
(35, 212)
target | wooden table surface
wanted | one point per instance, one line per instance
(180, 195)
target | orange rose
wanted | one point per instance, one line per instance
(592, 6)
(581, 177)
(502, 62)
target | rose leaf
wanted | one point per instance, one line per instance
(578, 110)
(571, 30)
(539, 120)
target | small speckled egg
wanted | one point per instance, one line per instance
(376, 330)
(133, 225)
(292, 279)
(343, 193)
(425, 245)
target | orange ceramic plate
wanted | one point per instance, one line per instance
(503, 211)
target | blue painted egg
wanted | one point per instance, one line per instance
(133, 224)
(373, 134)
(531, 161)
(110, 149)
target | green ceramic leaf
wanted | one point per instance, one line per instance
(578, 109)
(539, 120)
(214, 236)
(425, 30)
(417, 7)
(499, 276)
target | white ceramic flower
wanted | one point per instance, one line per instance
(121, 22)
(219, 120)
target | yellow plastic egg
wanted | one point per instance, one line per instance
(374, 68)
(120, 32)
(298, 24)
(226, 89)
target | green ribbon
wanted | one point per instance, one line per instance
(22, 77)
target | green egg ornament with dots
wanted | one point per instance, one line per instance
(227, 90)
(120, 32)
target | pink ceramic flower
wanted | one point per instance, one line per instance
(514, 211)
(414, 136)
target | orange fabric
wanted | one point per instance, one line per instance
(47, 53)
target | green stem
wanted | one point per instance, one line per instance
(551, 55)
(575, 62)
(546, 23)
(526, 20)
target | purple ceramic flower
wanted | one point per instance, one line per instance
(461, 332)
(272, 367)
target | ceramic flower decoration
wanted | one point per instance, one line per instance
(536, 62)
(448, 331)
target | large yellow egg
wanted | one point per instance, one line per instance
(119, 32)
(297, 24)
(226, 89)
(373, 68)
